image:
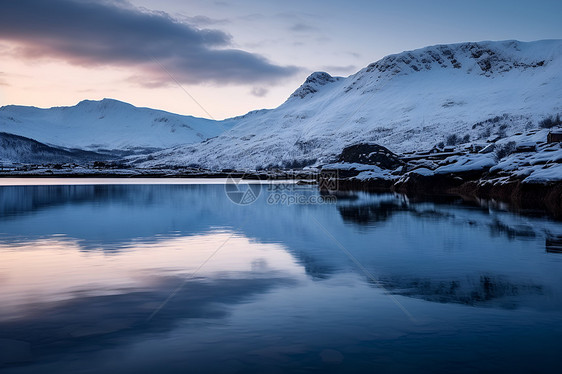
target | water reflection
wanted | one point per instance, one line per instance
(475, 291)
(553, 244)
(369, 214)
(262, 287)
(87, 320)
(33, 271)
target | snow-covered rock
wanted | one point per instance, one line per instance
(313, 84)
(542, 165)
(465, 163)
(375, 173)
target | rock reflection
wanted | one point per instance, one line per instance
(553, 244)
(483, 290)
(121, 219)
(373, 213)
(83, 268)
(366, 210)
(514, 231)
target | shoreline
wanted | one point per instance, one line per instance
(524, 198)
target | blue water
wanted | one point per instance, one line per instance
(179, 278)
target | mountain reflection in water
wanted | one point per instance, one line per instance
(170, 277)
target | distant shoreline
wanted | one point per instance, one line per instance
(525, 198)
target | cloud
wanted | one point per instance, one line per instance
(259, 91)
(203, 21)
(354, 54)
(291, 16)
(323, 39)
(263, 43)
(155, 45)
(252, 17)
(148, 82)
(302, 27)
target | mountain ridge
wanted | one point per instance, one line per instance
(479, 91)
(107, 125)
(406, 101)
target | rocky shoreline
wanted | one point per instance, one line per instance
(530, 198)
(521, 196)
(527, 176)
(523, 171)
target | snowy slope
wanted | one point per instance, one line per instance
(18, 149)
(405, 102)
(107, 125)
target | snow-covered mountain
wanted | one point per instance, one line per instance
(19, 149)
(107, 125)
(468, 92)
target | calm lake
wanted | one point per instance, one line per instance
(190, 277)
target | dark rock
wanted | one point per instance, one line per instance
(370, 154)
(313, 83)
(554, 136)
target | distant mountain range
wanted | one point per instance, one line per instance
(108, 127)
(468, 92)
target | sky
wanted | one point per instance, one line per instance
(219, 59)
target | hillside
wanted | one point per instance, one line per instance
(107, 125)
(459, 93)
(19, 149)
